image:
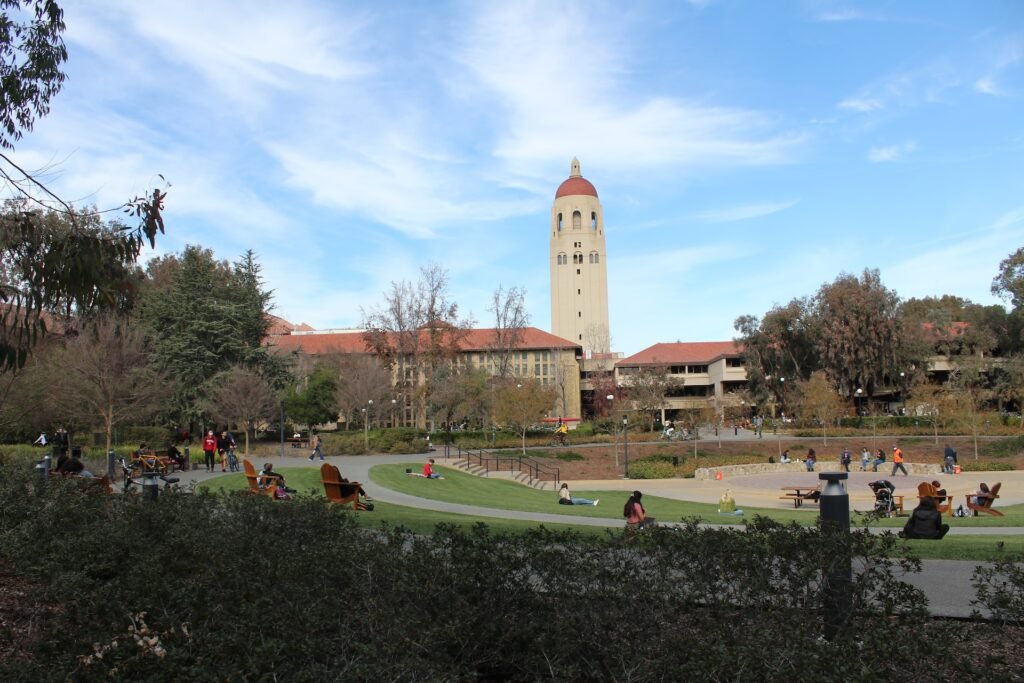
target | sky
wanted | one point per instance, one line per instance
(745, 153)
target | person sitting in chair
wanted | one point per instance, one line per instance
(266, 473)
(175, 456)
(925, 522)
(982, 495)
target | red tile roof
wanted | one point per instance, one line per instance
(575, 185)
(279, 325)
(353, 342)
(680, 353)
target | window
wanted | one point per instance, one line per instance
(577, 220)
(559, 221)
(577, 258)
(579, 314)
(577, 271)
(581, 336)
(593, 220)
(579, 291)
(595, 257)
(562, 259)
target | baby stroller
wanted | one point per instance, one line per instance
(883, 490)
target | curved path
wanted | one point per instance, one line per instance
(947, 583)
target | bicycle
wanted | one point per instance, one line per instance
(170, 483)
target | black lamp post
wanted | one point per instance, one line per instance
(625, 443)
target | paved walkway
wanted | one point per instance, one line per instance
(947, 583)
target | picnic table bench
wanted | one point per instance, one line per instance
(799, 494)
(296, 441)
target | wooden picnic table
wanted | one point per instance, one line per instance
(798, 494)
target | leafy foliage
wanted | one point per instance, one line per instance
(221, 599)
(315, 400)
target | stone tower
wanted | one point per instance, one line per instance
(579, 279)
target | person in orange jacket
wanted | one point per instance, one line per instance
(897, 461)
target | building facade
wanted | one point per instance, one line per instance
(579, 275)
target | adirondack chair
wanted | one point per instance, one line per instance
(927, 490)
(338, 491)
(269, 484)
(986, 504)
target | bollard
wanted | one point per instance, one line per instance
(110, 463)
(150, 486)
(836, 604)
(43, 468)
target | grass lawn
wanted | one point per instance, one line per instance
(505, 495)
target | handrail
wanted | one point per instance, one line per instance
(495, 461)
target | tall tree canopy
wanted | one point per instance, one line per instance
(203, 320)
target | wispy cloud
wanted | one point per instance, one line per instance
(560, 82)
(839, 15)
(892, 152)
(860, 104)
(1009, 219)
(987, 86)
(742, 213)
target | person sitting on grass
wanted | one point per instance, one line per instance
(566, 498)
(428, 470)
(925, 522)
(635, 514)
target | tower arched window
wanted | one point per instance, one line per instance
(595, 257)
(577, 258)
(593, 220)
(559, 221)
(577, 220)
(562, 259)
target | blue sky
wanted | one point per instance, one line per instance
(744, 152)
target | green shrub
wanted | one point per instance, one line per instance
(986, 466)
(568, 456)
(647, 469)
(154, 437)
(238, 597)
(1003, 447)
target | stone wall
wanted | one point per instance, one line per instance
(921, 469)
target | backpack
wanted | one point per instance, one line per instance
(960, 512)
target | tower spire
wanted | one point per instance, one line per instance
(574, 168)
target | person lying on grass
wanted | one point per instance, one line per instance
(566, 498)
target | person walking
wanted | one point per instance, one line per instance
(209, 446)
(317, 445)
(897, 462)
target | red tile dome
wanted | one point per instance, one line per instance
(575, 185)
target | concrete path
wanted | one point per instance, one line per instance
(947, 583)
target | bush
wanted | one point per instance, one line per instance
(155, 437)
(237, 597)
(648, 469)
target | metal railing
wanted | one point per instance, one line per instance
(497, 462)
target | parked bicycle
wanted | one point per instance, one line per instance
(129, 478)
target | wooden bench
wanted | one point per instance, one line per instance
(297, 442)
(986, 504)
(269, 483)
(87, 484)
(338, 491)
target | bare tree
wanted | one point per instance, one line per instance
(416, 329)
(647, 391)
(563, 372)
(510, 319)
(597, 338)
(517, 405)
(818, 398)
(106, 378)
(362, 379)
(242, 396)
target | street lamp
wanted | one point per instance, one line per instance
(903, 393)
(366, 423)
(625, 444)
(394, 403)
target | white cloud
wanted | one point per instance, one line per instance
(560, 82)
(987, 86)
(860, 104)
(892, 152)
(839, 15)
(1009, 219)
(742, 213)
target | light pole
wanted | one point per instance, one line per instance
(366, 424)
(394, 403)
(903, 393)
(625, 444)
(610, 398)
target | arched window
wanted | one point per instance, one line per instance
(593, 220)
(591, 257)
(595, 257)
(562, 259)
(559, 221)
(577, 258)
(577, 219)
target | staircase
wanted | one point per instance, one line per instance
(525, 471)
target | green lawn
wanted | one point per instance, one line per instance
(505, 495)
